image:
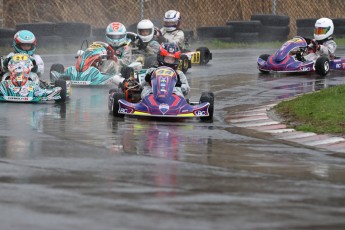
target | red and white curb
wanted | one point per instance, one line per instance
(257, 119)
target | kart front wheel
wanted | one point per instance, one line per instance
(322, 66)
(63, 92)
(115, 108)
(205, 55)
(208, 97)
(58, 68)
(265, 58)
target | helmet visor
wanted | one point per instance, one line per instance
(321, 30)
(145, 32)
(116, 36)
(169, 59)
(170, 24)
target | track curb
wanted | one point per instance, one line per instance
(258, 119)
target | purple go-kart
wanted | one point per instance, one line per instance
(290, 59)
(163, 102)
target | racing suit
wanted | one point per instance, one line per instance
(325, 48)
(183, 90)
(150, 49)
(176, 36)
(121, 56)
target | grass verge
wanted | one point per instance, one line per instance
(319, 112)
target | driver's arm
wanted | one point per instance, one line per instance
(184, 82)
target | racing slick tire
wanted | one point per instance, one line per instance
(184, 63)
(205, 55)
(208, 97)
(58, 68)
(127, 72)
(115, 107)
(265, 58)
(322, 66)
(63, 92)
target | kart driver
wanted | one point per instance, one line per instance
(24, 41)
(169, 55)
(323, 43)
(171, 31)
(145, 31)
(119, 52)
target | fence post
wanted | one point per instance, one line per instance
(2, 19)
(142, 9)
(274, 4)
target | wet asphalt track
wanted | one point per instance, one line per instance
(74, 166)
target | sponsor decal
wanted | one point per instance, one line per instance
(15, 89)
(338, 66)
(24, 91)
(343, 65)
(126, 110)
(164, 108)
(81, 82)
(13, 98)
(200, 113)
(305, 68)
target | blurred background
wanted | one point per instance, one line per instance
(229, 20)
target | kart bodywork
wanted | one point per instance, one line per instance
(22, 85)
(290, 59)
(86, 71)
(162, 102)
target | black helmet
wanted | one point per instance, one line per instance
(169, 55)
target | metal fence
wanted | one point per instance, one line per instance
(195, 13)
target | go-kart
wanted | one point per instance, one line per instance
(290, 59)
(162, 102)
(20, 84)
(201, 56)
(87, 70)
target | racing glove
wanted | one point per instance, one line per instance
(178, 82)
(35, 68)
(111, 53)
(148, 78)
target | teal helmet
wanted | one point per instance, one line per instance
(24, 37)
(116, 34)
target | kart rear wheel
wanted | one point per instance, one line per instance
(115, 109)
(265, 58)
(184, 64)
(322, 66)
(205, 55)
(63, 92)
(208, 97)
(58, 68)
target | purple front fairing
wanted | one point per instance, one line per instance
(287, 47)
(282, 61)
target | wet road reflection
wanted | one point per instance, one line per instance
(73, 165)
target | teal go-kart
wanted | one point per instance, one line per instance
(86, 71)
(20, 84)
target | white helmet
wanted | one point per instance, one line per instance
(172, 20)
(145, 30)
(323, 29)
